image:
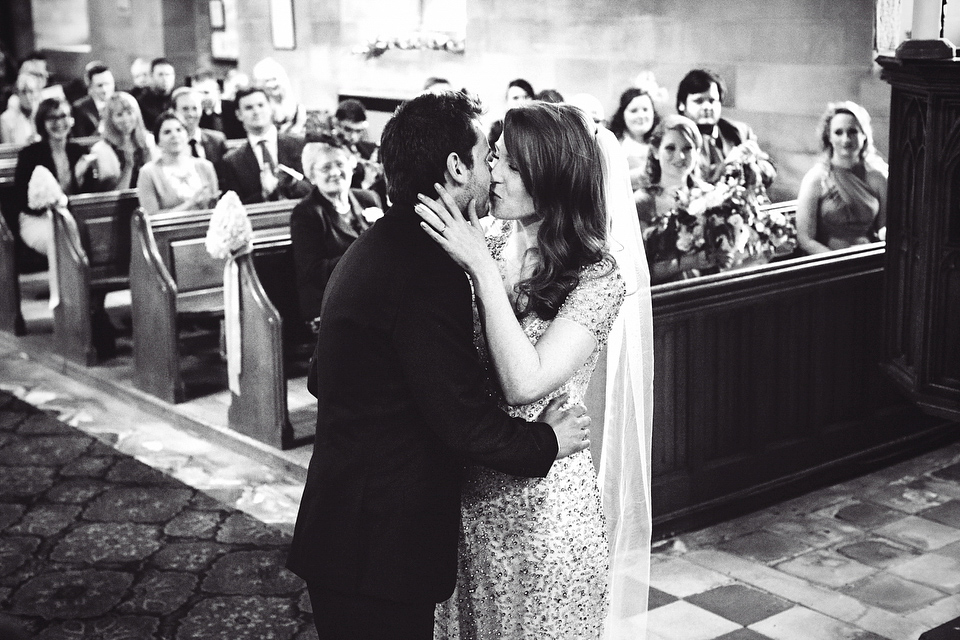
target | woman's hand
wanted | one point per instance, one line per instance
(462, 239)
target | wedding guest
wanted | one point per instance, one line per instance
(550, 95)
(633, 124)
(350, 124)
(66, 160)
(327, 221)
(519, 92)
(204, 143)
(671, 179)
(269, 165)
(843, 199)
(156, 97)
(88, 110)
(125, 145)
(218, 114)
(700, 97)
(289, 115)
(233, 81)
(17, 122)
(176, 181)
(140, 75)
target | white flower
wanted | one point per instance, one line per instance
(741, 237)
(372, 214)
(697, 207)
(44, 191)
(736, 221)
(717, 197)
(230, 230)
(684, 241)
(777, 219)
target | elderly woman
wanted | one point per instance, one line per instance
(327, 221)
(633, 124)
(67, 162)
(125, 145)
(671, 175)
(176, 181)
(843, 198)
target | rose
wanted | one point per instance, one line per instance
(372, 214)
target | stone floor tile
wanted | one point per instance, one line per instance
(945, 488)
(681, 578)
(920, 533)
(951, 551)
(764, 546)
(947, 513)
(800, 623)
(683, 621)
(906, 498)
(888, 624)
(744, 634)
(810, 503)
(934, 570)
(724, 531)
(740, 603)
(814, 532)
(937, 613)
(657, 598)
(950, 472)
(826, 567)
(867, 515)
(877, 552)
(892, 593)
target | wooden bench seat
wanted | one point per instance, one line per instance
(92, 245)
(173, 278)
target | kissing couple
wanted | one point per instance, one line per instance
(452, 462)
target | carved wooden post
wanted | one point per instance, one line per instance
(921, 350)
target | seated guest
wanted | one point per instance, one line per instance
(289, 115)
(350, 123)
(268, 166)
(218, 114)
(88, 110)
(156, 97)
(327, 221)
(140, 75)
(699, 97)
(17, 122)
(519, 92)
(67, 161)
(176, 181)
(671, 178)
(204, 143)
(550, 95)
(843, 198)
(125, 145)
(633, 124)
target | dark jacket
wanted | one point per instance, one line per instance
(226, 122)
(214, 145)
(239, 171)
(152, 104)
(86, 118)
(402, 407)
(39, 154)
(320, 236)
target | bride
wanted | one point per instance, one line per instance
(557, 277)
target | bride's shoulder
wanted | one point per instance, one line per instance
(603, 279)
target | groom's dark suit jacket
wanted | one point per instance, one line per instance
(402, 408)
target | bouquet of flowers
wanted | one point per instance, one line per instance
(43, 191)
(230, 232)
(676, 232)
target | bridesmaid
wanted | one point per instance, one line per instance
(843, 198)
(125, 145)
(633, 124)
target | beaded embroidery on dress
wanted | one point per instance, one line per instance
(533, 552)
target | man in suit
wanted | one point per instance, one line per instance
(204, 143)
(268, 166)
(87, 110)
(155, 98)
(700, 97)
(218, 114)
(402, 401)
(350, 122)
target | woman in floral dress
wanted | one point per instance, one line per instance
(534, 553)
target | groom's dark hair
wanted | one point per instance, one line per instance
(419, 137)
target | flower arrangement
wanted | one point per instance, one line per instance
(43, 191)
(230, 232)
(430, 40)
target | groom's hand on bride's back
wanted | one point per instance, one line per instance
(571, 425)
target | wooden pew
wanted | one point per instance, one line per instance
(92, 245)
(173, 277)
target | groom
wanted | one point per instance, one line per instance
(402, 399)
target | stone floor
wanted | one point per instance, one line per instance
(873, 557)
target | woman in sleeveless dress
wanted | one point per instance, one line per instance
(534, 554)
(843, 199)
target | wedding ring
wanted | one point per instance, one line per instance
(442, 229)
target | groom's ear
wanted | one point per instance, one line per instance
(457, 173)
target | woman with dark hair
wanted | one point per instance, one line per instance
(534, 553)
(66, 160)
(671, 180)
(125, 145)
(633, 123)
(843, 199)
(176, 181)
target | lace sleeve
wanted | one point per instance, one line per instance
(595, 302)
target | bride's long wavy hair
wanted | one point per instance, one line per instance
(559, 161)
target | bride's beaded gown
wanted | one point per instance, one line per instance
(533, 552)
